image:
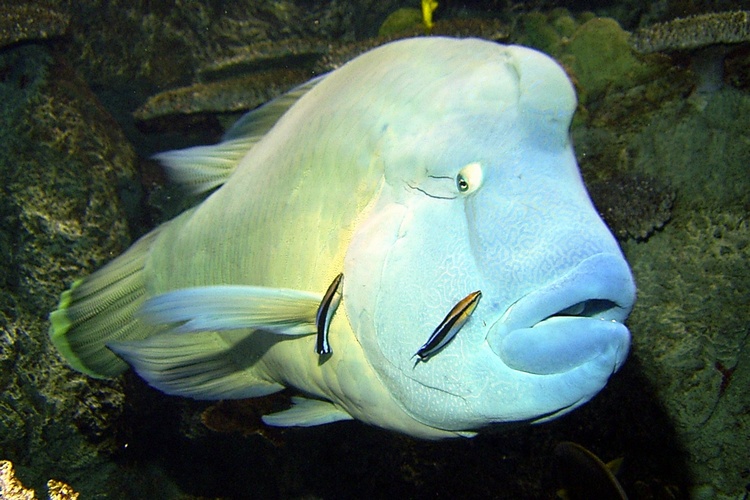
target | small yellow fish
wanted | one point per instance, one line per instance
(428, 7)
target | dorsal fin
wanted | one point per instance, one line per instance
(258, 122)
(202, 168)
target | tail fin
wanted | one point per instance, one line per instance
(100, 309)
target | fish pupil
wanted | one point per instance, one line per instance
(462, 183)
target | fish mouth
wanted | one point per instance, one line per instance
(574, 320)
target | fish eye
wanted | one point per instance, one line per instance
(469, 178)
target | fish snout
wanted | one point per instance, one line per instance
(569, 322)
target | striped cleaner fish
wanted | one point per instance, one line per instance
(428, 172)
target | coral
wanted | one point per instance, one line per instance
(543, 31)
(707, 37)
(288, 53)
(702, 151)
(12, 489)
(489, 29)
(64, 163)
(691, 319)
(400, 20)
(244, 416)
(254, 74)
(690, 326)
(633, 206)
(164, 45)
(161, 44)
(737, 68)
(428, 7)
(693, 32)
(233, 94)
(258, 72)
(595, 51)
(60, 491)
(600, 57)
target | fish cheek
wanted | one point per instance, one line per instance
(365, 258)
(427, 269)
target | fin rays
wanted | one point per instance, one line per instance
(100, 309)
(204, 365)
(307, 413)
(231, 307)
(202, 168)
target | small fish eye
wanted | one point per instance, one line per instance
(469, 178)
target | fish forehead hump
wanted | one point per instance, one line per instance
(414, 99)
(412, 83)
(446, 74)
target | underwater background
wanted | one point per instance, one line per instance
(89, 90)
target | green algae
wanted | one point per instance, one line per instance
(596, 51)
(399, 21)
(601, 58)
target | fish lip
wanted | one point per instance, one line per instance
(614, 284)
(538, 334)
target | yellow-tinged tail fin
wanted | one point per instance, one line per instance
(100, 309)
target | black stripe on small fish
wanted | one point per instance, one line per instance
(327, 307)
(449, 327)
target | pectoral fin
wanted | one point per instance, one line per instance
(232, 307)
(256, 123)
(204, 365)
(307, 413)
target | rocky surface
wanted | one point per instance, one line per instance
(692, 339)
(63, 162)
(692, 318)
(30, 22)
(259, 72)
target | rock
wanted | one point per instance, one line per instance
(30, 21)
(64, 163)
(170, 109)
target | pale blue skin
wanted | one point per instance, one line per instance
(364, 175)
(528, 238)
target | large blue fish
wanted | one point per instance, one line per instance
(438, 176)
